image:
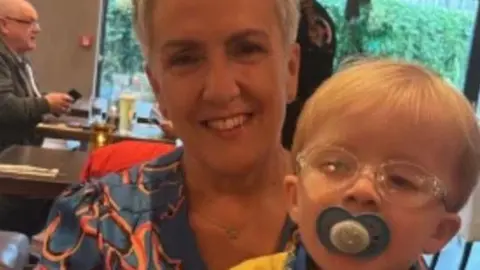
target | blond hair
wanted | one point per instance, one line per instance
(370, 83)
(288, 11)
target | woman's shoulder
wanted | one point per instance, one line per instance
(140, 188)
(110, 210)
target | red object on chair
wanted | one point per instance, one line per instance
(119, 156)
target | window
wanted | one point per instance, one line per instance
(122, 61)
(435, 33)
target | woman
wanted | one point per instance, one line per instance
(222, 72)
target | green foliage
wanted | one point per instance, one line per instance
(122, 53)
(435, 36)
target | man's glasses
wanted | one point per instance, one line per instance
(23, 21)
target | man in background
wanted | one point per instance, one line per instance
(22, 107)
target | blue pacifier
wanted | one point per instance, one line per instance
(363, 236)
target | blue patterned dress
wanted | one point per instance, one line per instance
(136, 219)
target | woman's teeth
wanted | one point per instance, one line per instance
(227, 123)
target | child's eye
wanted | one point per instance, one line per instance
(335, 167)
(402, 183)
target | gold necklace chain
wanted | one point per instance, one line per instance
(230, 232)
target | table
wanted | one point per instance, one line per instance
(59, 129)
(69, 163)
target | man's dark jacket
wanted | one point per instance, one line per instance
(20, 109)
(20, 112)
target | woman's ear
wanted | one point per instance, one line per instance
(291, 193)
(293, 67)
(156, 90)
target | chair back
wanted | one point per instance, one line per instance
(14, 250)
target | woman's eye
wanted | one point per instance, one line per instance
(248, 51)
(182, 60)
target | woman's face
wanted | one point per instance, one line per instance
(223, 75)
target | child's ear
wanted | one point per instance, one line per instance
(291, 183)
(446, 229)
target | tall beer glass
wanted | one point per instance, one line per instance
(126, 107)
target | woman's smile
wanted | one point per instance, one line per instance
(228, 127)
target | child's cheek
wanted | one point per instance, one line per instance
(407, 226)
(318, 193)
(314, 198)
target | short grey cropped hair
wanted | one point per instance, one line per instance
(288, 12)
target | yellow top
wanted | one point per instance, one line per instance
(271, 262)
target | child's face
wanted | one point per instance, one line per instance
(419, 224)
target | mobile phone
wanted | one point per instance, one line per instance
(74, 94)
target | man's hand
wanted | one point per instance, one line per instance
(59, 102)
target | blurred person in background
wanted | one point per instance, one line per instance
(22, 107)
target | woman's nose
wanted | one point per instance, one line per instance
(220, 84)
